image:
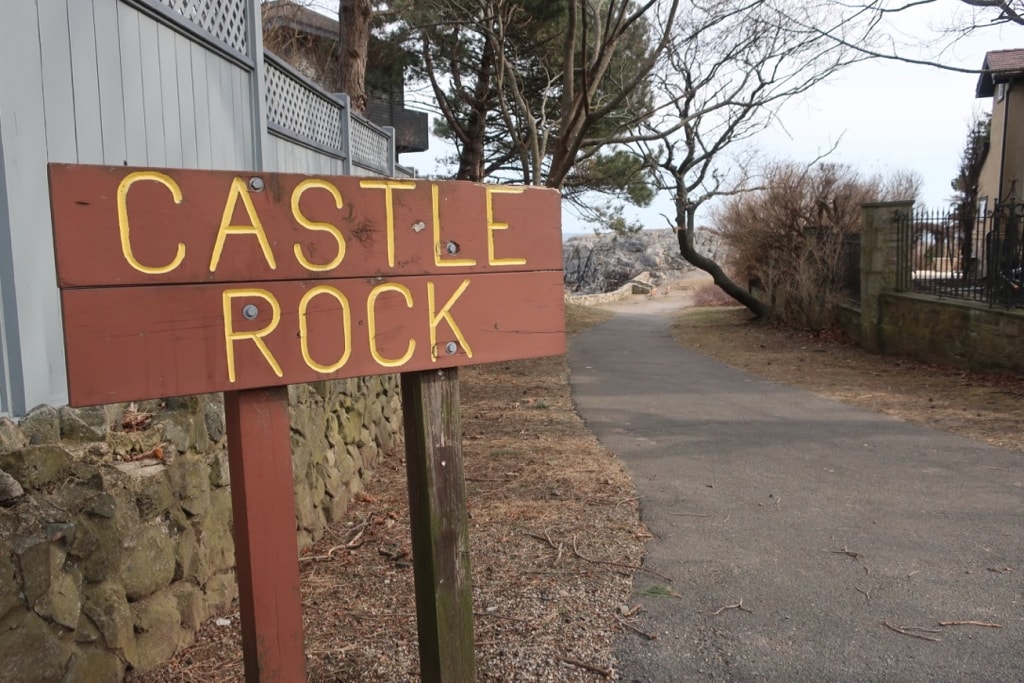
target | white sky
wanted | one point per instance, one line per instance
(886, 115)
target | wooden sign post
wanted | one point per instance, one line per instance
(177, 282)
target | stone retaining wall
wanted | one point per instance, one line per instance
(115, 522)
(959, 333)
(641, 284)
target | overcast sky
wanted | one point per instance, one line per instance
(885, 116)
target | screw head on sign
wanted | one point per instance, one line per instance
(450, 348)
(451, 248)
(256, 184)
(249, 311)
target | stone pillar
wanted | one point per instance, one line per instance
(881, 269)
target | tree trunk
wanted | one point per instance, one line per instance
(723, 281)
(354, 19)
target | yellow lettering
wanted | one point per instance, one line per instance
(322, 227)
(444, 314)
(255, 227)
(304, 328)
(122, 220)
(492, 225)
(230, 336)
(389, 207)
(371, 315)
(438, 248)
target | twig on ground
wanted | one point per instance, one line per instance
(329, 555)
(546, 538)
(687, 514)
(605, 673)
(357, 540)
(970, 623)
(867, 594)
(850, 553)
(738, 605)
(648, 636)
(633, 567)
(907, 632)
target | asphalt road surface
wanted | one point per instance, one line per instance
(799, 533)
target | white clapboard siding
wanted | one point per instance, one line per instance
(159, 83)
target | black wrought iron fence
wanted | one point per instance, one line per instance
(977, 258)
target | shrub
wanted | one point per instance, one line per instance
(786, 239)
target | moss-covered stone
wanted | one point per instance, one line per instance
(305, 509)
(11, 436)
(213, 416)
(10, 595)
(86, 631)
(149, 561)
(155, 495)
(190, 605)
(216, 544)
(10, 489)
(51, 590)
(37, 466)
(95, 666)
(41, 425)
(191, 478)
(157, 625)
(185, 431)
(220, 590)
(100, 532)
(32, 652)
(220, 470)
(186, 555)
(106, 605)
(83, 424)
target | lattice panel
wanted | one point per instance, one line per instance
(369, 146)
(224, 19)
(302, 111)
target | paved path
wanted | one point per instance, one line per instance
(824, 520)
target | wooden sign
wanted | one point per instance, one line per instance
(179, 281)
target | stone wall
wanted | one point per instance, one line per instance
(641, 284)
(959, 333)
(115, 522)
(892, 320)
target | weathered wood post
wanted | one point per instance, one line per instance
(177, 282)
(440, 525)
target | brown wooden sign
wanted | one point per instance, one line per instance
(178, 282)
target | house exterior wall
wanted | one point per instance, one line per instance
(1003, 170)
(988, 179)
(1013, 153)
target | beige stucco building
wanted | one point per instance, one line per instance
(1002, 174)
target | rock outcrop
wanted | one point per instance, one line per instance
(605, 262)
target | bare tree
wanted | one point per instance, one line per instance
(929, 49)
(727, 71)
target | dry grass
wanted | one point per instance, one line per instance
(985, 407)
(553, 528)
